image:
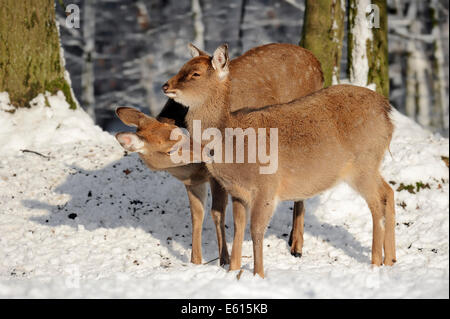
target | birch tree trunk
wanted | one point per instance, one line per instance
(422, 92)
(30, 53)
(440, 106)
(199, 28)
(87, 76)
(323, 33)
(417, 91)
(367, 44)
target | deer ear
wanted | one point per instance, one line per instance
(132, 117)
(129, 116)
(220, 60)
(130, 142)
(196, 51)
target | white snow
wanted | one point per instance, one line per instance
(132, 230)
(5, 103)
(48, 122)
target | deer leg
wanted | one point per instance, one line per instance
(296, 237)
(372, 189)
(378, 230)
(196, 195)
(218, 209)
(389, 236)
(240, 221)
(261, 214)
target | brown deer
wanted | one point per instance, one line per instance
(335, 134)
(153, 144)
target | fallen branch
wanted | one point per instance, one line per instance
(37, 153)
(210, 261)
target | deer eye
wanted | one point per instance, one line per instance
(172, 151)
(196, 74)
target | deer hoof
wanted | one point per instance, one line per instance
(295, 254)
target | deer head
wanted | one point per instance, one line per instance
(152, 138)
(199, 78)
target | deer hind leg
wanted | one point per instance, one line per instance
(240, 221)
(196, 195)
(218, 209)
(389, 236)
(261, 213)
(373, 188)
(296, 236)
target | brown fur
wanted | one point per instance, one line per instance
(251, 84)
(154, 152)
(336, 134)
(268, 74)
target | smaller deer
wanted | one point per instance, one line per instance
(153, 144)
(337, 134)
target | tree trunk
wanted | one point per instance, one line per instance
(323, 33)
(87, 76)
(440, 106)
(368, 45)
(30, 57)
(199, 27)
(417, 92)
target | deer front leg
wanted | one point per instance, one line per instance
(218, 210)
(261, 213)
(197, 194)
(240, 221)
(298, 222)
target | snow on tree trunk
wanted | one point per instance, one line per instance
(87, 76)
(367, 44)
(323, 33)
(31, 60)
(358, 36)
(440, 106)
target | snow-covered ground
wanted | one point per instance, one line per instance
(87, 221)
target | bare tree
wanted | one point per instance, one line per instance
(87, 75)
(440, 106)
(199, 27)
(417, 102)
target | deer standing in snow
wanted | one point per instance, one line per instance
(299, 75)
(335, 134)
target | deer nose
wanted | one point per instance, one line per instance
(165, 87)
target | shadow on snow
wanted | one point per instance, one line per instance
(125, 193)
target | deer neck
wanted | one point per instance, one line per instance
(215, 111)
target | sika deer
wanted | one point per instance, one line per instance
(283, 85)
(153, 144)
(336, 134)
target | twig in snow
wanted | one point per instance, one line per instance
(37, 153)
(210, 261)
